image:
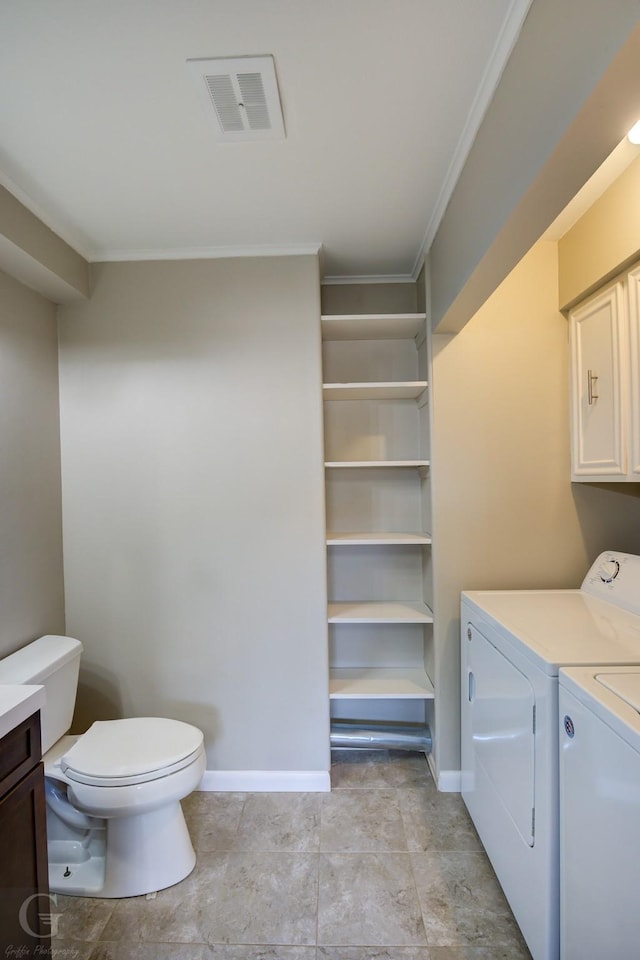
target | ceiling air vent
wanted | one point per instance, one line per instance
(243, 94)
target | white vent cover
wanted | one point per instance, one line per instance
(243, 94)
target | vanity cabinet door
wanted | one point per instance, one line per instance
(599, 358)
(25, 907)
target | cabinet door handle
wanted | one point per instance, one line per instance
(472, 686)
(591, 381)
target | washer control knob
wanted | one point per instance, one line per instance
(608, 570)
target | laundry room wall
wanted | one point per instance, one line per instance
(31, 584)
(505, 514)
(191, 431)
(603, 241)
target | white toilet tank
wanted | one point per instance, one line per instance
(54, 662)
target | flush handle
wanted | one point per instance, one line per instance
(472, 686)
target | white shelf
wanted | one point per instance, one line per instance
(334, 538)
(392, 611)
(380, 683)
(405, 390)
(374, 326)
(341, 464)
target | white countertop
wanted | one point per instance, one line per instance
(17, 702)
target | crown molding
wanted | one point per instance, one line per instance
(209, 253)
(392, 278)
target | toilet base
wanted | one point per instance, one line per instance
(82, 879)
(143, 853)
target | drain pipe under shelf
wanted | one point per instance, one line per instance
(380, 736)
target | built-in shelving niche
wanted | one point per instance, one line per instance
(378, 519)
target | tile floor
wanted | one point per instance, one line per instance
(382, 868)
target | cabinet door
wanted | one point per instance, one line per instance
(634, 373)
(598, 382)
(25, 908)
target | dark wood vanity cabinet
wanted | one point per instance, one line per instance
(25, 908)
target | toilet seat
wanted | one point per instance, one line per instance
(118, 753)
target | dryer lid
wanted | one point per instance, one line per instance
(129, 748)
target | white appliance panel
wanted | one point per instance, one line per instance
(599, 816)
(528, 874)
(502, 705)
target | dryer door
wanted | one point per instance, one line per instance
(501, 704)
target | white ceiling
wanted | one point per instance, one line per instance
(104, 136)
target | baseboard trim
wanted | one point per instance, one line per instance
(449, 781)
(266, 781)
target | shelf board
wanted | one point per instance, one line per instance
(335, 538)
(374, 326)
(391, 611)
(380, 683)
(402, 390)
(341, 464)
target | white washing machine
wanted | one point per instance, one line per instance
(513, 644)
(599, 813)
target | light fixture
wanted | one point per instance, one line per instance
(634, 134)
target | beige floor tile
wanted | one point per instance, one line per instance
(213, 820)
(374, 953)
(285, 822)
(150, 951)
(515, 952)
(177, 914)
(437, 821)
(266, 898)
(362, 821)
(352, 769)
(210, 801)
(252, 952)
(462, 902)
(368, 899)
(79, 918)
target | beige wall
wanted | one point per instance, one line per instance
(603, 241)
(31, 586)
(193, 503)
(505, 513)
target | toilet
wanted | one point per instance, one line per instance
(115, 827)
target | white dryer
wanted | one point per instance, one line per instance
(599, 813)
(513, 644)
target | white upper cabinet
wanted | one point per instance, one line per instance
(605, 384)
(633, 283)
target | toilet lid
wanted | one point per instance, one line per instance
(140, 748)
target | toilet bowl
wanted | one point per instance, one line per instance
(114, 821)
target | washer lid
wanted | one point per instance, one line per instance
(624, 685)
(128, 748)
